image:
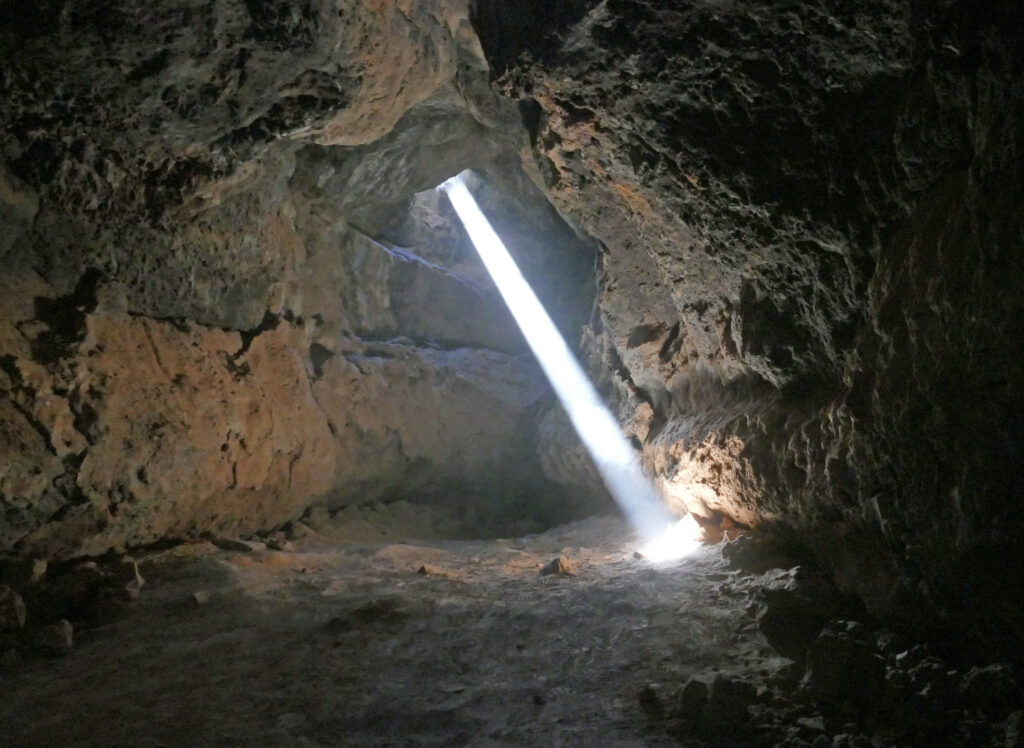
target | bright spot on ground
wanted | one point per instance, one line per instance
(600, 433)
(680, 539)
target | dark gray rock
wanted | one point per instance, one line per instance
(1014, 729)
(692, 698)
(21, 573)
(55, 640)
(812, 233)
(12, 609)
(841, 668)
(756, 554)
(796, 605)
(716, 709)
(992, 689)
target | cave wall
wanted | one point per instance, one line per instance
(229, 290)
(810, 307)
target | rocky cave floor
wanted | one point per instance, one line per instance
(355, 634)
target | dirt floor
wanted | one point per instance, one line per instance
(372, 627)
(350, 644)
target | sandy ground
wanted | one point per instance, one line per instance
(346, 644)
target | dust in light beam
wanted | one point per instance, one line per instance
(615, 459)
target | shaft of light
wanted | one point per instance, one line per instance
(600, 433)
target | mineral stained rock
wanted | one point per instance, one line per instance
(229, 291)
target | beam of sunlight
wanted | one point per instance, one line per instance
(680, 539)
(600, 433)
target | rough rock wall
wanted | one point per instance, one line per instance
(226, 294)
(810, 305)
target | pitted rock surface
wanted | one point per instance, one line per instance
(231, 292)
(809, 216)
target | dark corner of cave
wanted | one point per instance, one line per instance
(512, 373)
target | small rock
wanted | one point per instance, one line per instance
(236, 544)
(20, 573)
(796, 606)
(296, 530)
(55, 640)
(691, 700)
(888, 642)
(787, 677)
(841, 668)
(912, 657)
(935, 680)
(12, 609)
(650, 702)
(280, 544)
(992, 689)
(81, 583)
(381, 613)
(1014, 729)
(726, 709)
(10, 659)
(855, 629)
(753, 554)
(560, 566)
(74, 593)
(813, 724)
(717, 710)
(200, 597)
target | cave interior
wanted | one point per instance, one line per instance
(277, 467)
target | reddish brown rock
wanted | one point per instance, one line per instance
(559, 567)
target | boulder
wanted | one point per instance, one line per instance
(842, 668)
(795, 606)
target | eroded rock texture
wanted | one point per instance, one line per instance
(229, 290)
(810, 293)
